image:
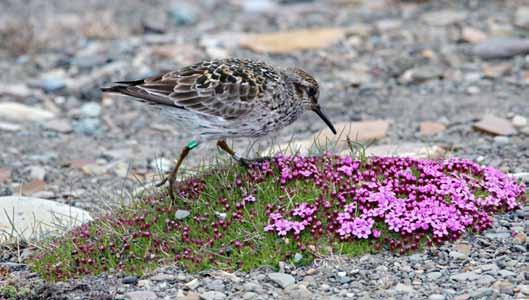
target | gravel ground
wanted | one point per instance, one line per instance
(406, 62)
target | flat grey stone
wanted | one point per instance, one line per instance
(434, 275)
(465, 276)
(480, 293)
(282, 279)
(141, 295)
(212, 295)
(37, 218)
(181, 214)
(436, 297)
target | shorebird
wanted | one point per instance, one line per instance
(227, 98)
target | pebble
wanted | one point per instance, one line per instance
(501, 140)
(436, 297)
(458, 255)
(501, 47)
(59, 125)
(182, 15)
(141, 295)
(400, 287)
(282, 279)
(519, 121)
(193, 284)
(50, 84)
(163, 165)
(298, 257)
(212, 295)
(20, 112)
(37, 172)
(433, 276)
(480, 293)
(130, 280)
(495, 125)
(521, 17)
(181, 214)
(465, 276)
(216, 285)
(91, 110)
(524, 289)
(9, 127)
(444, 17)
(87, 126)
(250, 296)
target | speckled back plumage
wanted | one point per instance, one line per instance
(226, 98)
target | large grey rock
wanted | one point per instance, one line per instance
(34, 218)
(282, 279)
(501, 47)
(20, 112)
(212, 295)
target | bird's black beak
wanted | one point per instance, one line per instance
(317, 110)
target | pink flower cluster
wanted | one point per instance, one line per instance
(401, 195)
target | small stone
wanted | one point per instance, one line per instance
(502, 140)
(458, 255)
(298, 257)
(182, 15)
(20, 112)
(141, 295)
(400, 287)
(5, 175)
(212, 295)
(58, 125)
(519, 121)
(486, 280)
(91, 110)
(193, 284)
(187, 296)
(181, 214)
(465, 276)
(421, 74)
(462, 297)
(521, 17)
(163, 277)
(463, 248)
(524, 289)
(50, 84)
(473, 35)
(507, 273)
(215, 285)
(481, 292)
(520, 238)
(498, 235)
(37, 172)
(9, 127)
(32, 187)
(162, 165)
(444, 17)
(433, 276)
(414, 150)
(282, 279)
(495, 125)
(95, 169)
(504, 286)
(436, 297)
(250, 296)
(431, 128)
(473, 90)
(87, 126)
(130, 280)
(501, 47)
(298, 292)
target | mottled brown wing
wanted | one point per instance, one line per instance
(226, 89)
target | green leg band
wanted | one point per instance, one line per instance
(192, 145)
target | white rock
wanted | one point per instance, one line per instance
(519, 121)
(9, 127)
(282, 279)
(162, 165)
(20, 112)
(34, 218)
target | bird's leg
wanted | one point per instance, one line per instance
(241, 160)
(172, 177)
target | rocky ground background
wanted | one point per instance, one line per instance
(428, 77)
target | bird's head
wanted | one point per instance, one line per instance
(308, 92)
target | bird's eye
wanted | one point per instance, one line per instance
(313, 92)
